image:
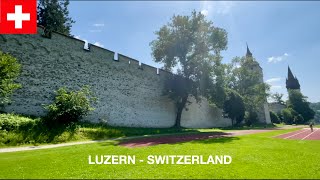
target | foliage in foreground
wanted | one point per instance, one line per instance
(9, 71)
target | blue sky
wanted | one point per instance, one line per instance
(278, 33)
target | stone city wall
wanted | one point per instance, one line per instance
(129, 94)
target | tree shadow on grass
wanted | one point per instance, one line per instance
(153, 131)
(219, 140)
(109, 143)
(42, 133)
(213, 137)
(252, 127)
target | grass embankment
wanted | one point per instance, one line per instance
(17, 130)
(253, 156)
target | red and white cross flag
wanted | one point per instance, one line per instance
(18, 16)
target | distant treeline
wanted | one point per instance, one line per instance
(316, 108)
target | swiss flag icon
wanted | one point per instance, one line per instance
(18, 17)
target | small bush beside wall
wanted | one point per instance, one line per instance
(9, 72)
(70, 106)
(274, 117)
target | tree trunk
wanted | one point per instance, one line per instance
(180, 107)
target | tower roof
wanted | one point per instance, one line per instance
(249, 54)
(292, 82)
(290, 75)
(251, 59)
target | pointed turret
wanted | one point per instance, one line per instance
(290, 75)
(292, 82)
(249, 54)
(254, 65)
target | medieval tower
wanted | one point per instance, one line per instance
(263, 114)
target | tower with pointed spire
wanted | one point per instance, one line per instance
(292, 82)
(263, 114)
(254, 65)
(248, 54)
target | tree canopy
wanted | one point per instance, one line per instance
(277, 97)
(234, 107)
(9, 71)
(316, 108)
(188, 44)
(54, 15)
(298, 102)
(244, 77)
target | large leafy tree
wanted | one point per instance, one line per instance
(217, 84)
(234, 106)
(54, 15)
(245, 79)
(9, 71)
(298, 102)
(188, 44)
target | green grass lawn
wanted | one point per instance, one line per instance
(253, 156)
(16, 130)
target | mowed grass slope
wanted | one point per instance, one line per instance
(17, 130)
(254, 156)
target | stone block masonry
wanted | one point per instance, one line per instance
(129, 94)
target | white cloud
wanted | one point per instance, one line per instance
(276, 59)
(98, 44)
(273, 80)
(77, 36)
(274, 84)
(216, 7)
(98, 25)
(204, 12)
(95, 30)
(275, 87)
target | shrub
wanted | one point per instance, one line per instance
(274, 118)
(11, 122)
(234, 107)
(299, 119)
(288, 115)
(280, 116)
(298, 102)
(69, 106)
(250, 118)
(9, 71)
